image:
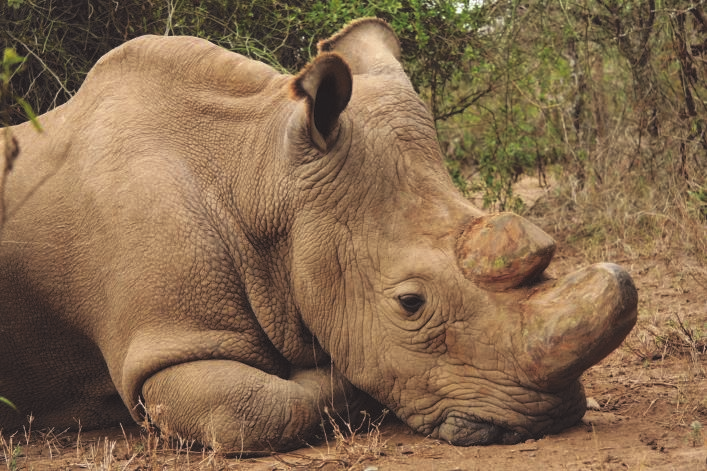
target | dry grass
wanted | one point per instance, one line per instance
(108, 449)
(624, 220)
(349, 447)
(629, 200)
(660, 337)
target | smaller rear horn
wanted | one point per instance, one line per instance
(503, 251)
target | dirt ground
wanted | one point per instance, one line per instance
(648, 398)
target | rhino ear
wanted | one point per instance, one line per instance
(326, 85)
(369, 45)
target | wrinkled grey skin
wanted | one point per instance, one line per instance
(239, 249)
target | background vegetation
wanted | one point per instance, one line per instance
(604, 101)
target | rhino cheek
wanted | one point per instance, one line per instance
(525, 382)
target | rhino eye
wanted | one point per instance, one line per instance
(411, 302)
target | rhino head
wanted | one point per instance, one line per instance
(438, 311)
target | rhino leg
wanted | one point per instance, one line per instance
(223, 403)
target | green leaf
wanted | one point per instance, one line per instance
(7, 402)
(10, 57)
(30, 113)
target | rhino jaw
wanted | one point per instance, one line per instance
(571, 324)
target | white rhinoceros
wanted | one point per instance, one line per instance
(238, 249)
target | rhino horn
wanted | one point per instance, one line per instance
(369, 46)
(326, 85)
(503, 251)
(574, 323)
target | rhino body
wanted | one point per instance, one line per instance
(237, 250)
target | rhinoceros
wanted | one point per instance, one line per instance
(233, 254)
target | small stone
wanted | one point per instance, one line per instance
(592, 404)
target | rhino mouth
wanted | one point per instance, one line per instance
(516, 424)
(466, 430)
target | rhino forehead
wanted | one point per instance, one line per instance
(391, 172)
(392, 110)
